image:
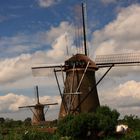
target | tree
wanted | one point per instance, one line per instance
(132, 121)
(27, 121)
(2, 120)
(63, 125)
(86, 124)
(107, 119)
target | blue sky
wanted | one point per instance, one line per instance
(29, 17)
(36, 32)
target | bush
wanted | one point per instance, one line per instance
(63, 125)
(82, 125)
(35, 135)
(132, 121)
(107, 119)
(134, 135)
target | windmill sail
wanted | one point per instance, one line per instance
(46, 70)
(117, 60)
(29, 106)
(37, 94)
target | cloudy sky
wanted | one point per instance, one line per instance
(38, 32)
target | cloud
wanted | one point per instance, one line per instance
(10, 102)
(47, 3)
(121, 35)
(14, 68)
(45, 40)
(18, 66)
(18, 44)
(122, 97)
(18, 69)
(64, 28)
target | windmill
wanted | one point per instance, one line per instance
(79, 79)
(80, 86)
(38, 110)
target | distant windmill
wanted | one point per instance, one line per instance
(80, 86)
(38, 110)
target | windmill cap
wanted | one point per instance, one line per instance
(80, 61)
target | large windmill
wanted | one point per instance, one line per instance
(38, 110)
(80, 86)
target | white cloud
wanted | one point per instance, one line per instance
(22, 43)
(55, 32)
(122, 97)
(18, 44)
(11, 101)
(121, 35)
(14, 69)
(129, 89)
(18, 69)
(47, 3)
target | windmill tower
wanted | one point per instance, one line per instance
(38, 110)
(80, 77)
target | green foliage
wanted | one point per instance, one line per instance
(35, 135)
(109, 138)
(134, 135)
(2, 120)
(18, 130)
(79, 126)
(27, 121)
(64, 124)
(107, 119)
(30, 134)
(102, 123)
(10, 123)
(132, 121)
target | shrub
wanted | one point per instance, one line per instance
(132, 121)
(134, 135)
(82, 125)
(107, 119)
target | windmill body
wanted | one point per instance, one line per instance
(38, 115)
(80, 78)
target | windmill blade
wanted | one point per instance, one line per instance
(37, 94)
(46, 70)
(50, 104)
(27, 106)
(47, 104)
(128, 59)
